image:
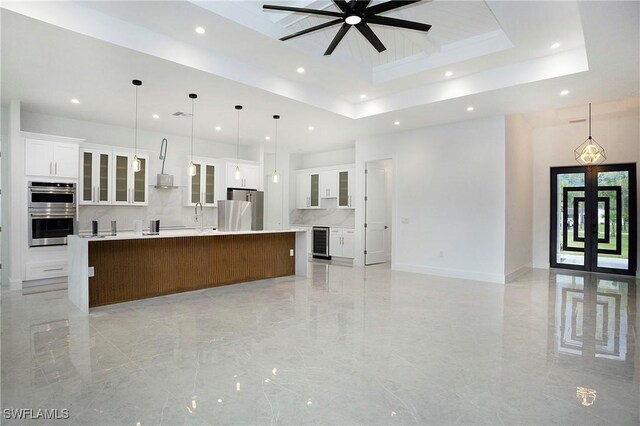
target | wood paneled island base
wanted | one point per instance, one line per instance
(125, 269)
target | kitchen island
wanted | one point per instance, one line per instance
(113, 269)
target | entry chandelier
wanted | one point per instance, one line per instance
(590, 152)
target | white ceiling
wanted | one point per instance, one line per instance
(498, 51)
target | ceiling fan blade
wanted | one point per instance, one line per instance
(400, 23)
(359, 5)
(308, 30)
(302, 10)
(336, 40)
(342, 5)
(390, 5)
(369, 35)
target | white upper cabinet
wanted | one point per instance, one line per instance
(129, 187)
(307, 190)
(50, 158)
(345, 189)
(329, 184)
(202, 187)
(249, 175)
(95, 177)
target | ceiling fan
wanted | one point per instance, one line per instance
(356, 13)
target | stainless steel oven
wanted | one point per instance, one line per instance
(50, 228)
(52, 195)
(52, 213)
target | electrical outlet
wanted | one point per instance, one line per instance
(291, 252)
(90, 271)
(405, 220)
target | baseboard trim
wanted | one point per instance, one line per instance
(518, 273)
(451, 273)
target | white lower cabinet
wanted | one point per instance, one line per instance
(342, 242)
(43, 270)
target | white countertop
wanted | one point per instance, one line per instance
(300, 225)
(173, 233)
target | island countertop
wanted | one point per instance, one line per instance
(113, 269)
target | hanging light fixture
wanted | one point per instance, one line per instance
(237, 174)
(276, 176)
(192, 167)
(136, 163)
(589, 152)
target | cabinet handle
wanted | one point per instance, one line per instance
(53, 269)
(50, 167)
(56, 168)
(95, 194)
(349, 200)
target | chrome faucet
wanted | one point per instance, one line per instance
(201, 215)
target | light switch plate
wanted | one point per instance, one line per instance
(90, 271)
(405, 220)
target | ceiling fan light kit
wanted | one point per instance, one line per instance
(356, 14)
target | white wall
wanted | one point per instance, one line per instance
(618, 133)
(449, 183)
(165, 205)
(519, 198)
(323, 159)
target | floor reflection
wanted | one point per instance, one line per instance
(594, 317)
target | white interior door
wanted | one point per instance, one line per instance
(375, 215)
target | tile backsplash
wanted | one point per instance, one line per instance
(326, 217)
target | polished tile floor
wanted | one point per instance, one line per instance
(346, 345)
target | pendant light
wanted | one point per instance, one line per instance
(589, 152)
(237, 174)
(136, 163)
(276, 176)
(192, 167)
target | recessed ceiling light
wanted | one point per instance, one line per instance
(470, 108)
(311, 128)
(218, 128)
(75, 101)
(396, 123)
(565, 92)
(156, 116)
(268, 138)
(448, 73)
(200, 30)
(363, 96)
(300, 70)
(555, 45)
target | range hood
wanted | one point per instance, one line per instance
(165, 181)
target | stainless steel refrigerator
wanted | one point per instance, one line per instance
(256, 198)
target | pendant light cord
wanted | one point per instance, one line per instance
(192, 102)
(136, 132)
(238, 143)
(589, 120)
(275, 157)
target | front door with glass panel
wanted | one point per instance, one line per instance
(593, 218)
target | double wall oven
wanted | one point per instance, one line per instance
(52, 212)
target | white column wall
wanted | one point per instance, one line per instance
(449, 184)
(519, 200)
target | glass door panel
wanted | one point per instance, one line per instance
(87, 176)
(571, 215)
(122, 176)
(209, 180)
(103, 170)
(613, 219)
(139, 182)
(195, 185)
(315, 190)
(343, 189)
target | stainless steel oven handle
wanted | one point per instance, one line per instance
(46, 215)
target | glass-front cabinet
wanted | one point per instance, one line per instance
(345, 189)
(130, 187)
(95, 180)
(201, 187)
(307, 190)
